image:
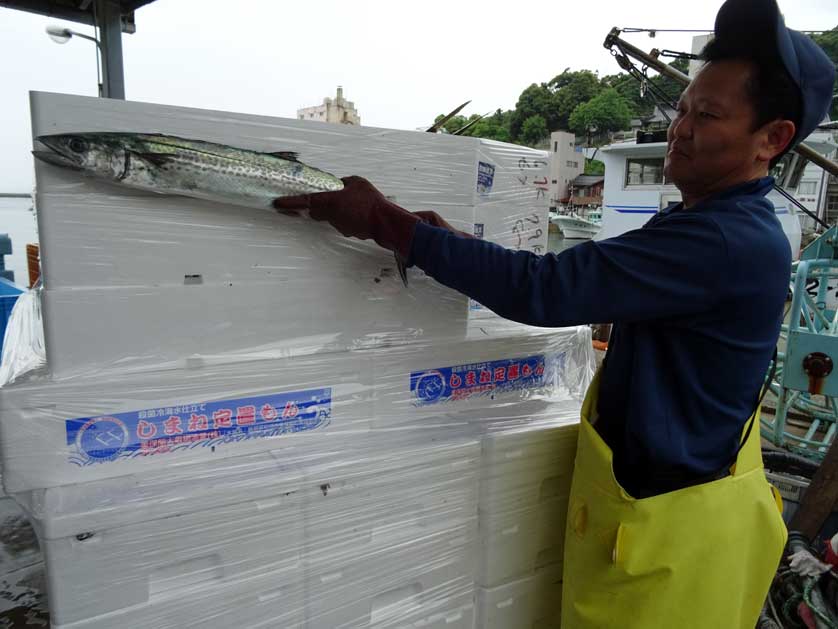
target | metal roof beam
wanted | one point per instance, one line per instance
(81, 13)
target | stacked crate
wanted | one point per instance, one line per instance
(247, 420)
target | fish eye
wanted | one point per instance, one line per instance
(77, 145)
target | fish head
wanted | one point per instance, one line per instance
(94, 153)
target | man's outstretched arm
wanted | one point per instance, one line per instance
(663, 270)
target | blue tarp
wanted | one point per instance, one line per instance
(8, 296)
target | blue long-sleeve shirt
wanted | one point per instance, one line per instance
(697, 300)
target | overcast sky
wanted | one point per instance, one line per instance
(402, 63)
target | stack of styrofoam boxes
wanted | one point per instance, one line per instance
(388, 511)
(376, 538)
(169, 280)
(528, 446)
(524, 488)
(356, 506)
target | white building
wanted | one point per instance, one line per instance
(567, 162)
(336, 110)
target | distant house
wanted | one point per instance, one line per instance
(337, 110)
(585, 190)
(567, 161)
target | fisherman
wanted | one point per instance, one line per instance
(671, 522)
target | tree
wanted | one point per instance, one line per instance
(828, 41)
(536, 100)
(534, 130)
(455, 123)
(669, 86)
(569, 90)
(554, 101)
(629, 88)
(604, 113)
(494, 127)
(594, 167)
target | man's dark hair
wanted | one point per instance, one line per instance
(770, 88)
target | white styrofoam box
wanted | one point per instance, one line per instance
(394, 493)
(143, 539)
(58, 432)
(326, 310)
(447, 606)
(267, 601)
(530, 603)
(185, 271)
(526, 468)
(384, 587)
(108, 570)
(517, 543)
(505, 375)
(520, 181)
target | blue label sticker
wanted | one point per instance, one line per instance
(479, 229)
(488, 378)
(161, 430)
(485, 177)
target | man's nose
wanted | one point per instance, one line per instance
(682, 126)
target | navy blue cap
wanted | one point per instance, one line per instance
(761, 23)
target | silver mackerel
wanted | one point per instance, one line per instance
(193, 168)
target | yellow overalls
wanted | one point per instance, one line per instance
(701, 557)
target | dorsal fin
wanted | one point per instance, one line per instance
(291, 156)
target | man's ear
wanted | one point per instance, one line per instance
(776, 136)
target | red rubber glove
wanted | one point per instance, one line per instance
(359, 211)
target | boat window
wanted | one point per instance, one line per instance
(644, 172)
(807, 187)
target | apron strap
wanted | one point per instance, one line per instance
(765, 388)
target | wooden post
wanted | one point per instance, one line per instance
(821, 497)
(33, 263)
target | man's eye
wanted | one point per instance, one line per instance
(706, 114)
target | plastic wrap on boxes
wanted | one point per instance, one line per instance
(180, 277)
(385, 513)
(23, 342)
(380, 532)
(62, 431)
(247, 420)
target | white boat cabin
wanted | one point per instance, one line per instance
(636, 189)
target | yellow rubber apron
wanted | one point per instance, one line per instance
(701, 557)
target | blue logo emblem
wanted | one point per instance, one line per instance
(102, 438)
(430, 386)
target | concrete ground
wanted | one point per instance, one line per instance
(23, 601)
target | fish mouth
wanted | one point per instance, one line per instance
(55, 155)
(56, 159)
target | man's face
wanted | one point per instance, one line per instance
(712, 143)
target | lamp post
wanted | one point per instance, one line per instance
(62, 35)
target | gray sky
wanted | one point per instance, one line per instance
(401, 63)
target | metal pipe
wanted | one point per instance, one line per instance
(109, 22)
(613, 39)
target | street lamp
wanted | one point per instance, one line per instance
(62, 35)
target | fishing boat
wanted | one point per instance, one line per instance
(576, 226)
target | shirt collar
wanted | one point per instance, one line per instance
(756, 187)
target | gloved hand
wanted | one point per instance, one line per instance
(432, 218)
(806, 564)
(360, 211)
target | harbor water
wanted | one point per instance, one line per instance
(18, 221)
